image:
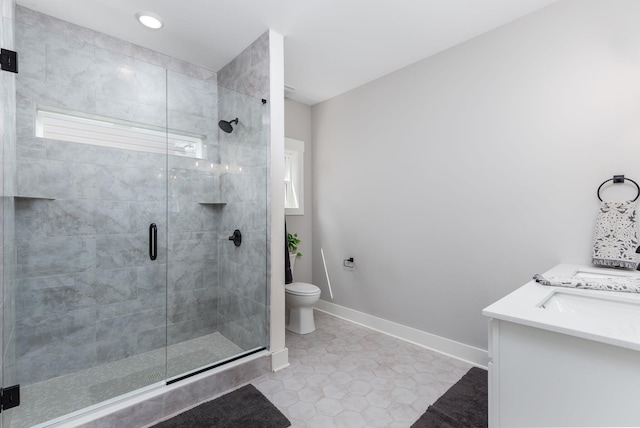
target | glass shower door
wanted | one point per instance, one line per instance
(216, 291)
(86, 269)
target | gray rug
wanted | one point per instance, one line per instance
(464, 405)
(243, 408)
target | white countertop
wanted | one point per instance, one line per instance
(523, 307)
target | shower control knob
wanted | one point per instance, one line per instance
(236, 238)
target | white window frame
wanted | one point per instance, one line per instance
(294, 177)
(67, 125)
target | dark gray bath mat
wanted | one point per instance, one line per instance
(464, 405)
(243, 408)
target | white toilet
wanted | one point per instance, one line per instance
(299, 298)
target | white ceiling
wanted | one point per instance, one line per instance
(331, 46)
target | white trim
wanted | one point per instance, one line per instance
(280, 360)
(476, 356)
(276, 194)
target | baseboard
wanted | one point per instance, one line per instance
(476, 356)
(280, 359)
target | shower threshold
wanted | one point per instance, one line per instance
(43, 402)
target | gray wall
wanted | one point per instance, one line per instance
(297, 124)
(243, 84)
(454, 180)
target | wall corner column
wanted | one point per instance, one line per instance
(279, 353)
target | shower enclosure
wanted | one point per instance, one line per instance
(121, 198)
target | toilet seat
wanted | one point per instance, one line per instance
(301, 289)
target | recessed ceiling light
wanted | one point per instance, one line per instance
(149, 20)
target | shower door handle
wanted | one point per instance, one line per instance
(153, 241)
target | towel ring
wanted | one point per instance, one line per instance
(619, 179)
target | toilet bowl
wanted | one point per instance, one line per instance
(299, 299)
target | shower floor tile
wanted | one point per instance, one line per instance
(50, 399)
(347, 375)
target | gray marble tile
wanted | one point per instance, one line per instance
(43, 296)
(185, 276)
(129, 49)
(114, 329)
(244, 155)
(244, 280)
(187, 216)
(185, 305)
(31, 147)
(122, 77)
(54, 25)
(74, 68)
(251, 215)
(30, 44)
(115, 285)
(56, 255)
(147, 299)
(87, 153)
(114, 252)
(248, 333)
(148, 340)
(129, 183)
(50, 345)
(115, 217)
(30, 218)
(131, 110)
(248, 72)
(251, 253)
(192, 96)
(53, 95)
(71, 217)
(194, 185)
(248, 185)
(191, 70)
(187, 330)
(117, 349)
(141, 414)
(55, 179)
(203, 127)
(193, 247)
(234, 307)
(53, 360)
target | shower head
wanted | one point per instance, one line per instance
(226, 125)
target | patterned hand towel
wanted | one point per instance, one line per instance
(616, 237)
(612, 283)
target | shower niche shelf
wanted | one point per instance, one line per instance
(213, 203)
(34, 197)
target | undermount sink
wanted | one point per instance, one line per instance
(594, 307)
(587, 274)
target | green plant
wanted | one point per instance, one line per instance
(292, 243)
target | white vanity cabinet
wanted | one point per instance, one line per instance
(551, 369)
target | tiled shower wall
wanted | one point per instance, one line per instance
(244, 93)
(87, 292)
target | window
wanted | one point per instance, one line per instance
(293, 177)
(58, 124)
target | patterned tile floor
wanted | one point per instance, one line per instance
(346, 375)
